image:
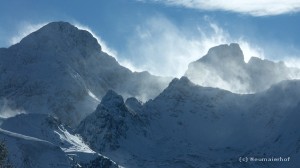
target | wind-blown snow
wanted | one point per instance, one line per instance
(192, 126)
(59, 73)
(61, 69)
(224, 67)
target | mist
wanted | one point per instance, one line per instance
(224, 67)
(6, 111)
(162, 48)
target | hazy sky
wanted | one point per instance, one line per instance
(163, 36)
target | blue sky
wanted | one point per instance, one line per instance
(163, 36)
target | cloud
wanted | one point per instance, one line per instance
(252, 7)
(293, 61)
(162, 48)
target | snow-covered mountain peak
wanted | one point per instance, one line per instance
(112, 99)
(178, 86)
(133, 104)
(183, 81)
(60, 69)
(62, 36)
(186, 118)
(224, 67)
(103, 128)
(224, 52)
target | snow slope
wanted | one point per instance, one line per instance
(46, 128)
(192, 126)
(28, 152)
(60, 69)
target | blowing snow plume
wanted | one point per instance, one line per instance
(165, 48)
(6, 111)
(62, 70)
(224, 67)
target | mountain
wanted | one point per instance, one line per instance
(104, 128)
(192, 126)
(224, 67)
(51, 115)
(60, 69)
(66, 148)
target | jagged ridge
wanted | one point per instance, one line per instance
(194, 126)
(224, 67)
